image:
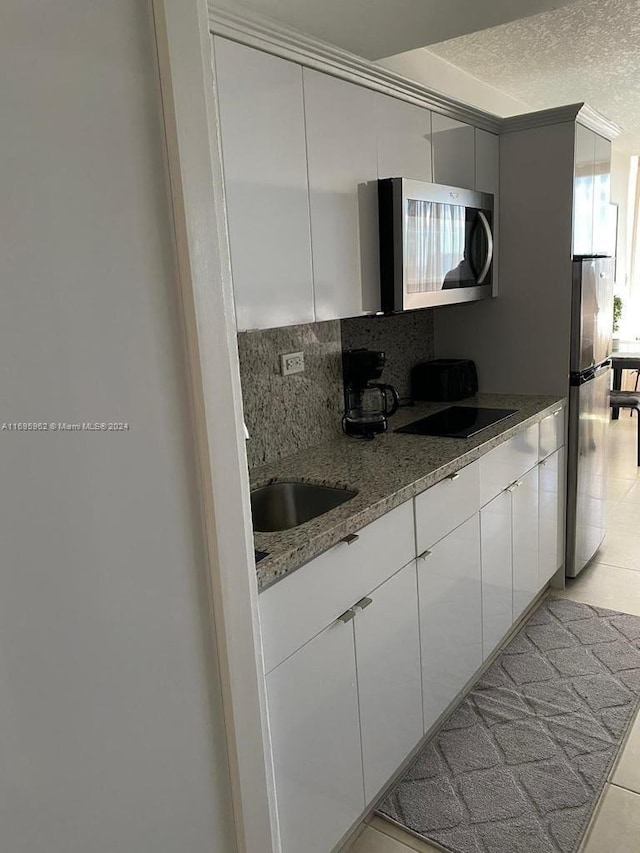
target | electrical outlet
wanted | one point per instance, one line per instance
(292, 362)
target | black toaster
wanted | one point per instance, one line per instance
(444, 379)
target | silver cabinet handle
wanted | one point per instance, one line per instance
(454, 476)
(487, 230)
(350, 538)
(555, 414)
(364, 602)
(424, 554)
(347, 616)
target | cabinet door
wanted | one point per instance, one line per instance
(389, 678)
(583, 191)
(497, 577)
(404, 139)
(315, 737)
(343, 170)
(524, 507)
(551, 478)
(449, 592)
(487, 162)
(453, 152)
(603, 213)
(265, 175)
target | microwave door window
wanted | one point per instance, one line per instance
(436, 235)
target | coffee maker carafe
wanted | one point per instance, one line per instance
(367, 404)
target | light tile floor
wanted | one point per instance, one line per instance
(611, 581)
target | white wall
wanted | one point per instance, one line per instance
(520, 341)
(441, 76)
(111, 734)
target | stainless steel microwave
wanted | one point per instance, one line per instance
(436, 244)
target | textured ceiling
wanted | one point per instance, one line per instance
(586, 51)
(377, 28)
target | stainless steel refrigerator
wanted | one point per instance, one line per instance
(590, 381)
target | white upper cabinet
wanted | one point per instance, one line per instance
(265, 171)
(583, 191)
(487, 162)
(343, 170)
(404, 140)
(594, 224)
(453, 152)
(604, 221)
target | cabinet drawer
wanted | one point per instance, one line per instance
(504, 464)
(551, 433)
(444, 506)
(300, 606)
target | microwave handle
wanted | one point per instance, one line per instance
(487, 231)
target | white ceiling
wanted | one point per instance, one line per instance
(586, 51)
(379, 28)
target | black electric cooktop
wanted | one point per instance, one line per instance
(457, 421)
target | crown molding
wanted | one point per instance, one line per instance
(265, 34)
(581, 113)
(597, 122)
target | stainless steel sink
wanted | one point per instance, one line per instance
(280, 506)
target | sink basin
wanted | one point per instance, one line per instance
(280, 506)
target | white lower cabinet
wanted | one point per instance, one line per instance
(389, 679)
(315, 738)
(551, 516)
(450, 598)
(497, 571)
(348, 703)
(524, 504)
(345, 710)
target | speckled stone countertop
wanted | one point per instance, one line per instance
(386, 472)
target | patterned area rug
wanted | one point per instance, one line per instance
(519, 765)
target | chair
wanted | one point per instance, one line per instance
(627, 400)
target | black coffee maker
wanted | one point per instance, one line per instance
(367, 404)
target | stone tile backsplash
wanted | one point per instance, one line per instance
(285, 414)
(405, 338)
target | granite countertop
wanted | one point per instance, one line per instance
(386, 472)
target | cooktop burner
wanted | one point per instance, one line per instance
(457, 421)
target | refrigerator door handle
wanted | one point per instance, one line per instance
(487, 230)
